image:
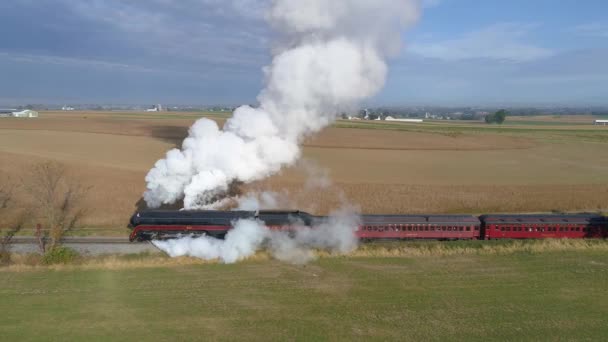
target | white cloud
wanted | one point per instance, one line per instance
(74, 62)
(553, 79)
(430, 3)
(107, 66)
(592, 29)
(211, 31)
(500, 42)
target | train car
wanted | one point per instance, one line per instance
(447, 227)
(166, 224)
(543, 226)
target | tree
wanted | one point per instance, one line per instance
(57, 198)
(13, 225)
(6, 194)
(498, 117)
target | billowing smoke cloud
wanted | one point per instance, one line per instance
(242, 241)
(266, 200)
(330, 56)
(334, 234)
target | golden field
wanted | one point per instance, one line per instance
(437, 167)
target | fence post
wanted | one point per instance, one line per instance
(41, 239)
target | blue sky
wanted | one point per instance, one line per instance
(462, 52)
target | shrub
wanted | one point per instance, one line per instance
(5, 257)
(60, 255)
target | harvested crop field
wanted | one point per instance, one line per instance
(556, 119)
(383, 168)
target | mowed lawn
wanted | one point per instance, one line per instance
(520, 296)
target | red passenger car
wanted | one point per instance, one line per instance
(542, 226)
(419, 227)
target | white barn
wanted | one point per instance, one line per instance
(390, 118)
(26, 114)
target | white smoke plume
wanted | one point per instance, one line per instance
(265, 200)
(335, 234)
(330, 56)
(241, 242)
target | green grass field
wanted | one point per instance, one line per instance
(524, 295)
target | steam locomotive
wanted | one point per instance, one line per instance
(167, 224)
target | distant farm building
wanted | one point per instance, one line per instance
(601, 122)
(5, 113)
(157, 108)
(390, 118)
(26, 114)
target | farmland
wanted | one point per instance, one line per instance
(523, 294)
(437, 167)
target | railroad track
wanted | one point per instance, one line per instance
(76, 239)
(89, 245)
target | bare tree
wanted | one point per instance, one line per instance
(57, 198)
(7, 238)
(6, 194)
(12, 226)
